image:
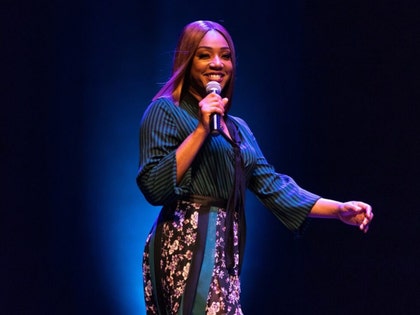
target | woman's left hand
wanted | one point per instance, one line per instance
(356, 213)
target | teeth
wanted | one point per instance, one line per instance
(215, 76)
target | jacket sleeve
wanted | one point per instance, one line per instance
(159, 140)
(279, 193)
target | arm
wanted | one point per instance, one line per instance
(187, 151)
(159, 139)
(189, 148)
(165, 158)
(277, 192)
(292, 204)
(352, 212)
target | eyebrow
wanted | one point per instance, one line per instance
(208, 47)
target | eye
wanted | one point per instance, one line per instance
(203, 56)
(227, 56)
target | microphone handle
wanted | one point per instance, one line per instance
(214, 124)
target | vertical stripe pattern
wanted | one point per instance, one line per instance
(164, 127)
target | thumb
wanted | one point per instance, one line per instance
(225, 100)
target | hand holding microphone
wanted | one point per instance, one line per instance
(214, 87)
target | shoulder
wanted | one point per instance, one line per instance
(241, 123)
(161, 103)
(160, 107)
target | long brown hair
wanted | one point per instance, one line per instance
(190, 37)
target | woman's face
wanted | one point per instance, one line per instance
(212, 62)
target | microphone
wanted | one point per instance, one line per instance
(214, 87)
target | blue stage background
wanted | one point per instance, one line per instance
(329, 89)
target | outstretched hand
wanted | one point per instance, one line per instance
(356, 213)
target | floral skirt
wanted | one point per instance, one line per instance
(184, 267)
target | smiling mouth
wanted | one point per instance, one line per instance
(215, 77)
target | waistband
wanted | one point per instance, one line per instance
(205, 201)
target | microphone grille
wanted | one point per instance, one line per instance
(213, 86)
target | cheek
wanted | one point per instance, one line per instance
(195, 72)
(198, 67)
(229, 67)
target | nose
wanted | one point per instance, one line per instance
(216, 62)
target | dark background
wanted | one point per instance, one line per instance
(330, 89)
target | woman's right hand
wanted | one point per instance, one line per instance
(212, 103)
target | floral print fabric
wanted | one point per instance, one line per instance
(174, 258)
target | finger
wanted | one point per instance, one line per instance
(225, 100)
(361, 205)
(365, 228)
(365, 224)
(366, 206)
(353, 207)
(369, 212)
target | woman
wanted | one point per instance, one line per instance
(193, 254)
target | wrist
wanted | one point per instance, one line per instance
(326, 208)
(201, 130)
